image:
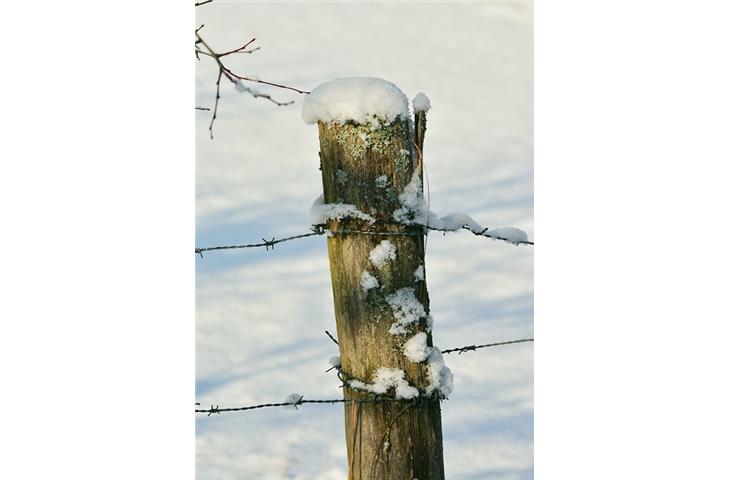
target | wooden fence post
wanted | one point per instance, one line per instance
(369, 168)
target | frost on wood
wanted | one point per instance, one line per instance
(292, 400)
(386, 379)
(364, 100)
(418, 274)
(415, 349)
(320, 212)
(421, 103)
(382, 253)
(406, 309)
(440, 377)
(367, 281)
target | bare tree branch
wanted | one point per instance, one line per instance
(235, 78)
(215, 107)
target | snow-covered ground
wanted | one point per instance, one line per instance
(261, 315)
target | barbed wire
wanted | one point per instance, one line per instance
(322, 230)
(464, 349)
(372, 399)
(483, 233)
(301, 401)
(472, 348)
(268, 244)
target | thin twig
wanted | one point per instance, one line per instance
(257, 94)
(331, 337)
(215, 108)
(241, 49)
(234, 77)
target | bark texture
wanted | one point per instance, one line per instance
(392, 440)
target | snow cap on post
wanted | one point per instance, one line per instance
(421, 103)
(363, 100)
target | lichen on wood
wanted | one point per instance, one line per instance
(365, 153)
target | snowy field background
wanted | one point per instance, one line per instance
(261, 315)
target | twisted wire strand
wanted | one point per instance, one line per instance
(301, 401)
(265, 243)
(472, 348)
(374, 399)
(322, 230)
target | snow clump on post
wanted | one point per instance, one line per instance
(384, 380)
(415, 349)
(382, 254)
(363, 100)
(406, 309)
(320, 212)
(368, 282)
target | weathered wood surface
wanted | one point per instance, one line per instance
(393, 440)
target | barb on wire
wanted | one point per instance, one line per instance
(197, 4)
(301, 401)
(472, 348)
(203, 48)
(269, 243)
